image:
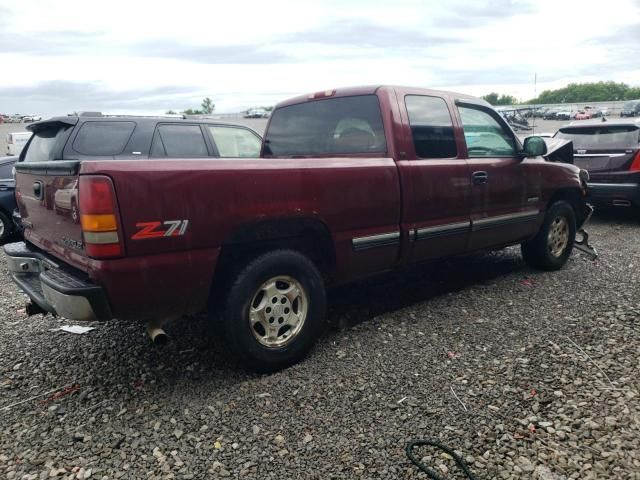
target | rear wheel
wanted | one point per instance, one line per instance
(5, 227)
(552, 246)
(275, 311)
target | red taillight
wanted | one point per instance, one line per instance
(98, 216)
(635, 165)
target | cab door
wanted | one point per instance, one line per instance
(436, 190)
(503, 211)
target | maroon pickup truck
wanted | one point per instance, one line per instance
(349, 183)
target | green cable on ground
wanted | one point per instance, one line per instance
(431, 473)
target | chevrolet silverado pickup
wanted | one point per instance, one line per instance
(349, 183)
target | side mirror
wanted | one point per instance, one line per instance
(534, 147)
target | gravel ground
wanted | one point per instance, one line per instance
(527, 374)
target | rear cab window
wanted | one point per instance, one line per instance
(234, 142)
(431, 127)
(601, 137)
(484, 134)
(103, 138)
(335, 126)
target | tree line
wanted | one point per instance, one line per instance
(574, 93)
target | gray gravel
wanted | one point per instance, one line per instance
(544, 367)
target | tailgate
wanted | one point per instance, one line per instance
(47, 194)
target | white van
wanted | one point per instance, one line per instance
(16, 142)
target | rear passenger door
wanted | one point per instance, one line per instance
(180, 140)
(435, 179)
(235, 142)
(502, 212)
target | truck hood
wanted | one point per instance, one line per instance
(559, 150)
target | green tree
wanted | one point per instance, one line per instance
(207, 106)
(191, 111)
(494, 99)
(587, 92)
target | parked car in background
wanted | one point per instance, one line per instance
(539, 112)
(610, 152)
(563, 115)
(600, 112)
(631, 109)
(16, 142)
(349, 183)
(256, 113)
(550, 113)
(7, 197)
(31, 118)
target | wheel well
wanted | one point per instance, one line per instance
(574, 197)
(308, 236)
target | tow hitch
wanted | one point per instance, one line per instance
(582, 244)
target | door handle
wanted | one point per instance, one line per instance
(37, 190)
(480, 178)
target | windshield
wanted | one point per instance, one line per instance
(601, 137)
(630, 105)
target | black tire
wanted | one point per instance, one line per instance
(537, 252)
(6, 228)
(238, 333)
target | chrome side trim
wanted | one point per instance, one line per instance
(610, 155)
(372, 241)
(613, 185)
(442, 230)
(501, 220)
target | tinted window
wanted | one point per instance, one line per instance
(183, 141)
(484, 135)
(431, 127)
(236, 142)
(103, 138)
(5, 170)
(324, 127)
(601, 137)
(42, 146)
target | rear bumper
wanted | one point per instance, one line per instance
(54, 287)
(614, 194)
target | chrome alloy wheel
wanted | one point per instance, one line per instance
(277, 311)
(558, 237)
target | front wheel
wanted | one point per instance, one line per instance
(5, 227)
(551, 247)
(275, 311)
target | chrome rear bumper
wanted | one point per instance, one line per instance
(55, 287)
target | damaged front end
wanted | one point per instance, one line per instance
(561, 150)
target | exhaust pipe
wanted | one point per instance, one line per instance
(621, 203)
(155, 331)
(157, 335)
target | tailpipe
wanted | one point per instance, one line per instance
(157, 335)
(155, 331)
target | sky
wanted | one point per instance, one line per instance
(146, 57)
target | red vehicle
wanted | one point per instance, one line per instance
(350, 183)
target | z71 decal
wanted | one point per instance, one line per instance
(168, 228)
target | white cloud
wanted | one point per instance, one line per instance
(246, 53)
